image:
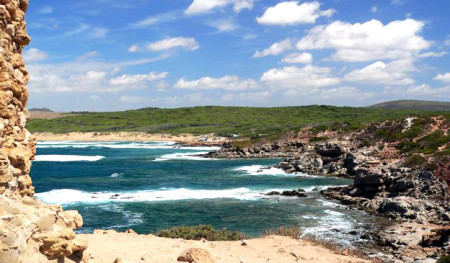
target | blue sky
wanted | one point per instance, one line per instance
(112, 55)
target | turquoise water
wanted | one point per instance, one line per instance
(156, 185)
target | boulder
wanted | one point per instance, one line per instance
(72, 218)
(401, 207)
(436, 238)
(367, 178)
(350, 163)
(196, 255)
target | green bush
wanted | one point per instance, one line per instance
(428, 144)
(444, 259)
(202, 231)
(415, 160)
(364, 144)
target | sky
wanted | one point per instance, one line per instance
(107, 55)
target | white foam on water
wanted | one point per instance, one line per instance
(121, 145)
(333, 224)
(115, 175)
(67, 158)
(131, 218)
(261, 170)
(193, 156)
(267, 170)
(331, 204)
(71, 196)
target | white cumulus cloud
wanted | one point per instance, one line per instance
(34, 55)
(292, 13)
(304, 58)
(394, 73)
(223, 25)
(367, 41)
(137, 78)
(176, 42)
(299, 78)
(224, 83)
(275, 49)
(443, 77)
(426, 90)
(204, 6)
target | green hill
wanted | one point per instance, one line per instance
(414, 105)
(224, 121)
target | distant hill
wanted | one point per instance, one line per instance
(414, 105)
(41, 109)
(224, 121)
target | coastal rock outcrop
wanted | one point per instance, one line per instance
(261, 150)
(30, 231)
(416, 198)
(398, 193)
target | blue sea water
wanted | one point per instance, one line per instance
(150, 186)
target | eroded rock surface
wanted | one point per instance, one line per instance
(30, 231)
(196, 255)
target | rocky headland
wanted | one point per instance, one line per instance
(396, 174)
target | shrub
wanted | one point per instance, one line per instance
(331, 245)
(293, 232)
(444, 259)
(364, 144)
(318, 139)
(414, 160)
(202, 231)
(242, 143)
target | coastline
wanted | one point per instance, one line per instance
(106, 246)
(187, 139)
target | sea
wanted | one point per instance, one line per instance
(149, 186)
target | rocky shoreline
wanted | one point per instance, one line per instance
(414, 199)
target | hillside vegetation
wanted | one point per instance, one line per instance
(414, 104)
(223, 121)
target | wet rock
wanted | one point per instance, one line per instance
(293, 193)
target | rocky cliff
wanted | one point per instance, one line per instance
(30, 231)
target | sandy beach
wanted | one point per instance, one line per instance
(107, 246)
(190, 139)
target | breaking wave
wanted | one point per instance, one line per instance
(67, 158)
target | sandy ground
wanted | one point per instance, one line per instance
(129, 136)
(132, 248)
(47, 115)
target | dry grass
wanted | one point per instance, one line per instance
(293, 232)
(337, 248)
(296, 233)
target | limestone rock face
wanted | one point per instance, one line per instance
(16, 143)
(30, 231)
